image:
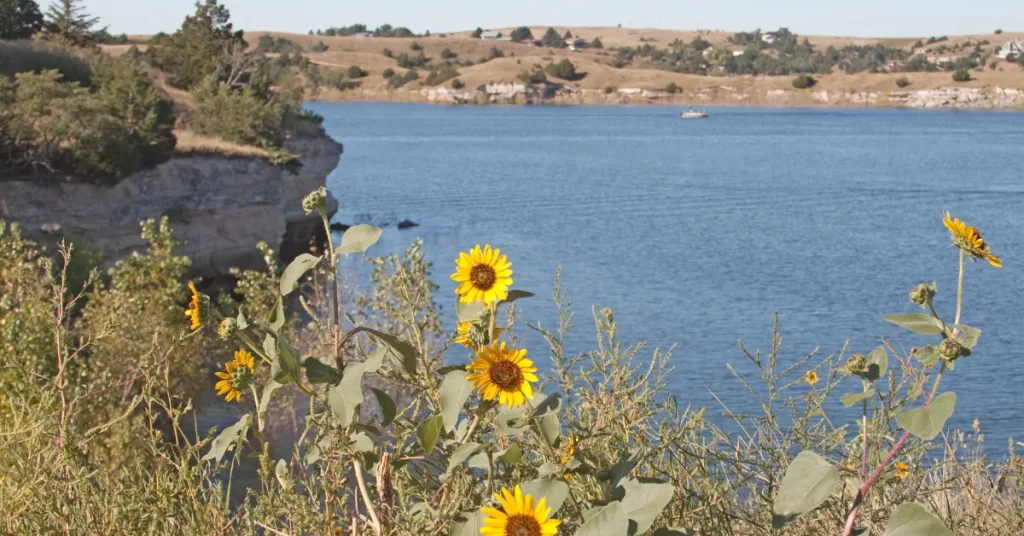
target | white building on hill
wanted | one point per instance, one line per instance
(1012, 46)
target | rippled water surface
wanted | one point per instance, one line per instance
(696, 231)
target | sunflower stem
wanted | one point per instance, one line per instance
(256, 402)
(258, 351)
(357, 467)
(554, 456)
(959, 293)
(335, 326)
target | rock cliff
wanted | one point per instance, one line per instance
(219, 205)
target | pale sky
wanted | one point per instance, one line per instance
(867, 18)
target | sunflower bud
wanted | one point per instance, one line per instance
(856, 364)
(950, 349)
(315, 201)
(922, 294)
(227, 328)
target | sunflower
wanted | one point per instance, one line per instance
(970, 241)
(196, 308)
(520, 516)
(238, 377)
(570, 450)
(503, 373)
(811, 377)
(483, 275)
(902, 471)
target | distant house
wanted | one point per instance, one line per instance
(944, 61)
(1013, 47)
(738, 52)
(362, 34)
(491, 35)
(576, 43)
(770, 37)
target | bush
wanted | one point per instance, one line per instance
(398, 80)
(355, 72)
(564, 69)
(804, 81)
(447, 54)
(279, 45)
(552, 39)
(206, 44)
(320, 46)
(998, 31)
(387, 73)
(440, 75)
(238, 116)
(38, 56)
(495, 53)
(19, 19)
(902, 82)
(477, 33)
(124, 126)
(609, 90)
(596, 43)
(387, 53)
(458, 84)
(521, 34)
(962, 75)
(673, 88)
(408, 62)
(535, 76)
(415, 47)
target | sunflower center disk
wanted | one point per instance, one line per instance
(506, 375)
(521, 525)
(483, 276)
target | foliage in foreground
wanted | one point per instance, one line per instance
(401, 430)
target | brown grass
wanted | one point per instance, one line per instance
(191, 143)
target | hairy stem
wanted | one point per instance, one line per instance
(357, 467)
(959, 292)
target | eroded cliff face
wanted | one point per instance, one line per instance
(220, 206)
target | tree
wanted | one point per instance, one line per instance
(962, 75)
(67, 22)
(521, 34)
(447, 54)
(19, 19)
(804, 81)
(552, 39)
(596, 43)
(563, 69)
(673, 88)
(568, 35)
(206, 44)
(477, 33)
(998, 31)
(902, 82)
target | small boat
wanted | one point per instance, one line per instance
(693, 114)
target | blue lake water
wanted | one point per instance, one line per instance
(695, 232)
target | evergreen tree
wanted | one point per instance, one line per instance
(19, 19)
(206, 44)
(552, 39)
(568, 35)
(67, 22)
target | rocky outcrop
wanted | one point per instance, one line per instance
(219, 205)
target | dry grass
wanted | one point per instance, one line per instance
(191, 143)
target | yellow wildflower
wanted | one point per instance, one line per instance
(969, 240)
(811, 377)
(483, 275)
(519, 516)
(503, 373)
(902, 471)
(238, 377)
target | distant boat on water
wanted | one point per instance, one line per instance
(693, 114)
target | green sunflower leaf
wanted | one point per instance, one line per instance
(345, 397)
(876, 363)
(554, 490)
(319, 372)
(916, 322)
(514, 295)
(228, 438)
(609, 520)
(285, 368)
(643, 502)
(359, 238)
(388, 408)
(912, 519)
(294, 272)
(968, 336)
(850, 399)
(469, 524)
(926, 422)
(808, 482)
(469, 312)
(455, 390)
(460, 454)
(428, 432)
(928, 355)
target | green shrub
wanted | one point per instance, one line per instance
(320, 46)
(447, 54)
(440, 75)
(387, 53)
(998, 31)
(564, 69)
(804, 81)
(415, 47)
(552, 39)
(535, 76)
(355, 72)
(477, 33)
(206, 44)
(239, 116)
(38, 56)
(387, 73)
(407, 61)
(962, 75)
(673, 88)
(521, 34)
(400, 80)
(596, 43)
(608, 90)
(458, 84)
(902, 82)
(280, 45)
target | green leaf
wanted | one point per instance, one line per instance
(359, 238)
(968, 335)
(861, 531)
(850, 399)
(387, 406)
(285, 368)
(911, 519)
(514, 295)
(268, 392)
(608, 520)
(241, 321)
(926, 422)
(808, 482)
(916, 322)
(511, 456)
(318, 372)
(277, 316)
(622, 469)
(428, 432)
(361, 442)
(281, 472)
(470, 526)
(928, 356)
(294, 272)
(549, 406)
(511, 421)
(554, 490)
(455, 390)
(460, 454)
(876, 364)
(344, 398)
(448, 368)
(643, 502)
(228, 438)
(469, 312)
(551, 427)
(402, 352)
